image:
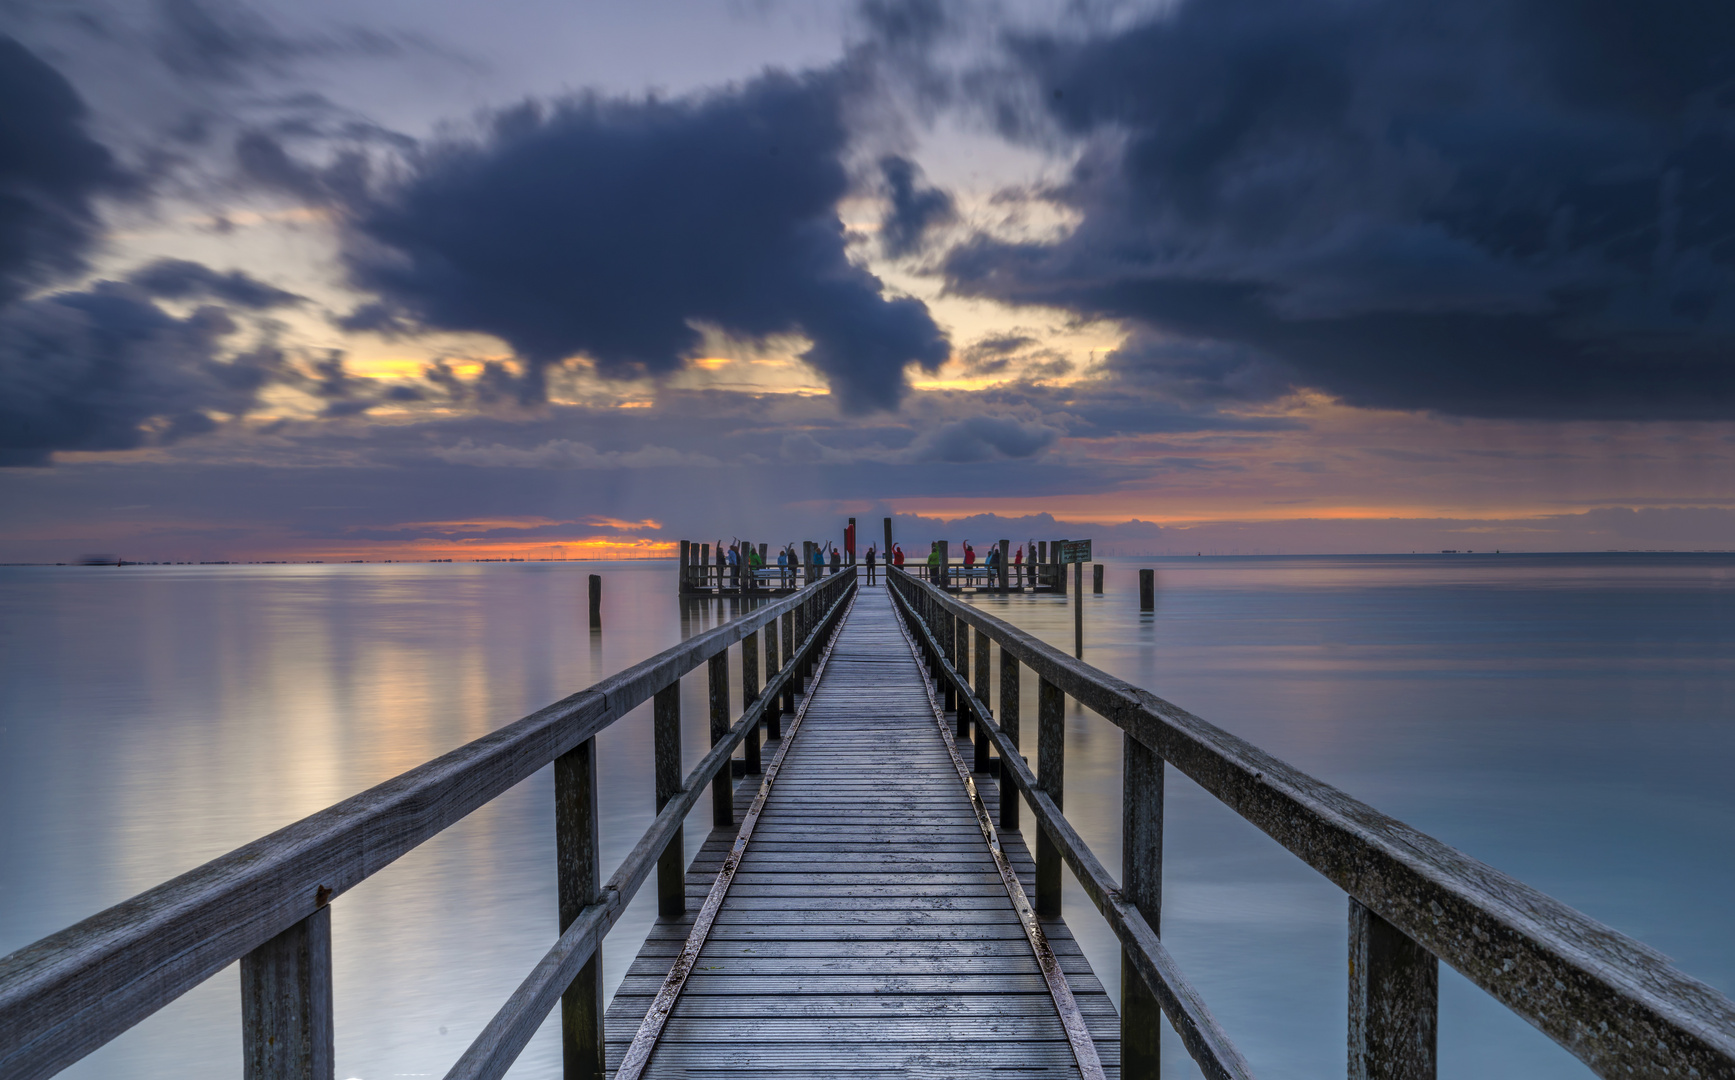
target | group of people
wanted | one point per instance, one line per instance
(734, 556)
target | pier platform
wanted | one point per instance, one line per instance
(867, 930)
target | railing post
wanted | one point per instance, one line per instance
(666, 737)
(961, 664)
(789, 658)
(750, 694)
(286, 1022)
(1050, 778)
(1142, 884)
(1394, 1001)
(1009, 724)
(723, 787)
(982, 763)
(580, 879)
(774, 707)
(944, 625)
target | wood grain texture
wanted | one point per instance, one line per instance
(287, 1031)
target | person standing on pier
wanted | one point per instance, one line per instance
(934, 561)
(897, 556)
(1018, 567)
(836, 560)
(870, 564)
(783, 567)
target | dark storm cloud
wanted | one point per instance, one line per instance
(984, 438)
(106, 369)
(231, 43)
(912, 209)
(608, 228)
(1497, 207)
(51, 174)
(181, 279)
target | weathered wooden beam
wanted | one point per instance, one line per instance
(722, 788)
(1008, 718)
(1394, 1001)
(774, 662)
(1142, 887)
(1614, 1003)
(983, 761)
(286, 1017)
(961, 661)
(1051, 776)
(579, 875)
(666, 736)
(1147, 590)
(750, 694)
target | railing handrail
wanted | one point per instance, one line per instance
(69, 993)
(1612, 1001)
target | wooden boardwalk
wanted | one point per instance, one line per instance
(867, 931)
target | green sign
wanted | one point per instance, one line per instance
(1074, 551)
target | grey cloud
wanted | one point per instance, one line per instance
(181, 279)
(607, 228)
(51, 175)
(912, 209)
(1500, 207)
(984, 438)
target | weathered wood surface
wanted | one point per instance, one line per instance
(867, 928)
(73, 991)
(1613, 1002)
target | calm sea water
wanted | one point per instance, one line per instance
(1569, 719)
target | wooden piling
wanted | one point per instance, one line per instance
(1142, 884)
(1096, 578)
(286, 1015)
(1005, 574)
(1050, 778)
(686, 578)
(1147, 590)
(666, 737)
(1394, 1001)
(580, 880)
(596, 601)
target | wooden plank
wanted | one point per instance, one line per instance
(286, 1018)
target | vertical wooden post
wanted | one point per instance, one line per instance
(580, 879)
(723, 787)
(887, 550)
(1394, 1001)
(286, 1020)
(1005, 574)
(983, 761)
(1008, 717)
(666, 738)
(1096, 578)
(686, 564)
(1050, 778)
(789, 658)
(773, 708)
(1054, 553)
(1077, 609)
(705, 567)
(596, 601)
(750, 694)
(1141, 883)
(961, 664)
(1147, 590)
(945, 565)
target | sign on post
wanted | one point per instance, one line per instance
(1075, 551)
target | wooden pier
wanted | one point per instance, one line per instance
(863, 904)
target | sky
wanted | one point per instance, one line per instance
(437, 279)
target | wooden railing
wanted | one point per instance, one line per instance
(1613, 1002)
(267, 904)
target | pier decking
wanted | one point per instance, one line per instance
(867, 929)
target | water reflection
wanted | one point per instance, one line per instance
(1570, 720)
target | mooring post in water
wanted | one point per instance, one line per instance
(580, 880)
(886, 552)
(596, 601)
(686, 567)
(1394, 999)
(286, 1016)
(1147, 590)
(1005, 568)
(1077, 609)
(1096, 578)
(1142, 884)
